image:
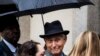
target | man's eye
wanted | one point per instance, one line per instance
(49, 41)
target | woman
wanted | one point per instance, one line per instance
(30, 48)
(87, 44)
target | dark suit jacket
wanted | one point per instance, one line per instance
(4, 50)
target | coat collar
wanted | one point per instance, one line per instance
(47, 53)
(6, 49)
(10, 46)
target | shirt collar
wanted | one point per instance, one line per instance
(10, 46)
(49, 54)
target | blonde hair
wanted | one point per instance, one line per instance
(87, 44)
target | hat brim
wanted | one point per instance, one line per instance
(48, 35)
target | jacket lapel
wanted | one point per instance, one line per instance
(6, 49)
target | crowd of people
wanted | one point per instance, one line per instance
(86, 44)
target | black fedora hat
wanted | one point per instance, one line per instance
(8, 21)
(53, 28)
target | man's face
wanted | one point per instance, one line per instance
(12, 34)
(55, 44)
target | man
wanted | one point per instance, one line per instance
(55, 38)
(10, 32)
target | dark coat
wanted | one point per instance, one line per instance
(4, 50)
(48, 54)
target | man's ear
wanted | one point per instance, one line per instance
(44, 39)
(1, 34)
(65, 38)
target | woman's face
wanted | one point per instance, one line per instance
(40, 51)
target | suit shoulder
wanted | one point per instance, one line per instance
(0, 46)
(1, 51)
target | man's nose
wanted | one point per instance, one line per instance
(53, 44)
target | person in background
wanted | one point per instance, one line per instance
(30, 48)
(87, 44)
(55, 38)
(10, 33)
